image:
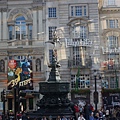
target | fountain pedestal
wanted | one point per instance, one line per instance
(55, 91)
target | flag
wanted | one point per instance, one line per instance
(77, 79)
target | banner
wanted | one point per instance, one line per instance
(19, 71)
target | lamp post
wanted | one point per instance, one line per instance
(95, 92)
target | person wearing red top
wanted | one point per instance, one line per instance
(77, 111)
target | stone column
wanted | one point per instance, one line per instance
(40, 23)
(5, 32)
(34, 31)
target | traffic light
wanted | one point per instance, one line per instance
(3, 95)
(22, 95)
(2, 98)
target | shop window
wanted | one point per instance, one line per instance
(83, 81)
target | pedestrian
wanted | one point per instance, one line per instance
(77, 111)
(87, 111)
(24, 117)
(81, 117)
(64, 118)
(96, 116)
(91, 116)
(58, 118)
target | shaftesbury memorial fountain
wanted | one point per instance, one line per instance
(55, 91)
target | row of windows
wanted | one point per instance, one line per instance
(111, 2)
(84, 82)
(75, 11)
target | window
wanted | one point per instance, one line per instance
(10, 32)
(76, 56)
(20, 30)
(83, 81)
(51, 55)
(111, 2)
(52, 12)
(79, 32)
(2, 66)
(51, 30)
(30, 32)
(112, 23)
(77, 11)
(112, 42)
(113, 82)
(38, 64)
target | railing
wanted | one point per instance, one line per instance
(78, 42)
(76, 63)
(19, 42)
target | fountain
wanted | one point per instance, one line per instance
(54, 101)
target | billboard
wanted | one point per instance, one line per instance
(19, 72)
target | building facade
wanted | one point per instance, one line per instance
(25, 26)
(109, 35)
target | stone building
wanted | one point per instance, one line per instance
(109, 34)
(25, 26)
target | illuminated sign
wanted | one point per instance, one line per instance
(12, 64)
(19, 72)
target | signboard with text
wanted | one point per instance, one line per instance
(19, 72)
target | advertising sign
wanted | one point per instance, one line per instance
(19, 71)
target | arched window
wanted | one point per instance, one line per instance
(2, 66)
(38, 64)
(20, 30)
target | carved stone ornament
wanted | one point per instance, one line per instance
(38, 51)
(37, 1)
(3, 53)
(14, 12)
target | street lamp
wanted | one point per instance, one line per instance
(95, 92)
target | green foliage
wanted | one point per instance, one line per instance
(110, 90)
(81, 91)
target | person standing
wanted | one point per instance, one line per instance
(87, 111)
(91, 116)
(77, 111)
(81, 117)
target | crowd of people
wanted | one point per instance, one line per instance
(88, 112)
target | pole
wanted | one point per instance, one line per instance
(15, 103)
(95, 92)
(4, 104)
